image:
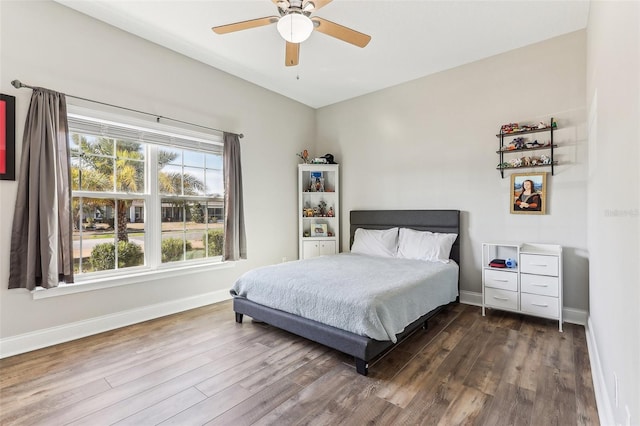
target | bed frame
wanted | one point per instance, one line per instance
(362, 348)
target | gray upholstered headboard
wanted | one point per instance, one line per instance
(445, 221)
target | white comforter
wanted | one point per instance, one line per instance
(366, 295)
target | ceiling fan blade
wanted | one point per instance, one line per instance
(245, 25)
(317, 4)
(292, 53)
(340, 32)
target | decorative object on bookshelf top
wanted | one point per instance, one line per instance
(325, 159)
(304, 156)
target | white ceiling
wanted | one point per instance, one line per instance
(410, 39)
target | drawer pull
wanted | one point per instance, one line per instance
(501, 298)
(502, 281)
(540, 285)
(542, 305)
(539, 264)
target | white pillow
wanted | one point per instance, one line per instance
(425, 245)
(376, 242)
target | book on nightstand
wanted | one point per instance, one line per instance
(498, 263)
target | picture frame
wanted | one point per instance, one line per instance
(7, 137)
(318, 229)
(528, 193)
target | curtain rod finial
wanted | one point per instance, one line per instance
(16, 83)
(241, 136)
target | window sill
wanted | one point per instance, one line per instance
(137, 277)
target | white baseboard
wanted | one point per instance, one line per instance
(603, 403)
(22, 343)
(471, 298)
(575, 316)
(570, 315)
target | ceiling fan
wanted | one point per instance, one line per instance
(295, 25)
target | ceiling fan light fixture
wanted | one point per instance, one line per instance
(295, 27)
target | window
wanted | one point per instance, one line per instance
(143, 196)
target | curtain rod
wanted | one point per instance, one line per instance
(18, 85)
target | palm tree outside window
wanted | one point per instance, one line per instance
(141, 199)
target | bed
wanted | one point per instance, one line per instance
(354, 338)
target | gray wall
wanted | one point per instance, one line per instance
(430, 143)
(613, 97)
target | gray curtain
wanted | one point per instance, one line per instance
(235, 244)
(41, 236)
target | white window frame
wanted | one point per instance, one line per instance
(154, 268)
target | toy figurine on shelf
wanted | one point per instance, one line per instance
(322, 208)
(330, 213)
(516, 162)
(509, 128)
(517, 143)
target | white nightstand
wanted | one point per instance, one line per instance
(532, 287)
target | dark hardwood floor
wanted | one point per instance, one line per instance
(200, 367)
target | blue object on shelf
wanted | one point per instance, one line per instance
(511, 263)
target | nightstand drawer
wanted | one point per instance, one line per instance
(545, 306)
(501, 298)
(539, 264)
(539, 284)
(501, 279)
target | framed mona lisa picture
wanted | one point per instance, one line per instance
(528, 193)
